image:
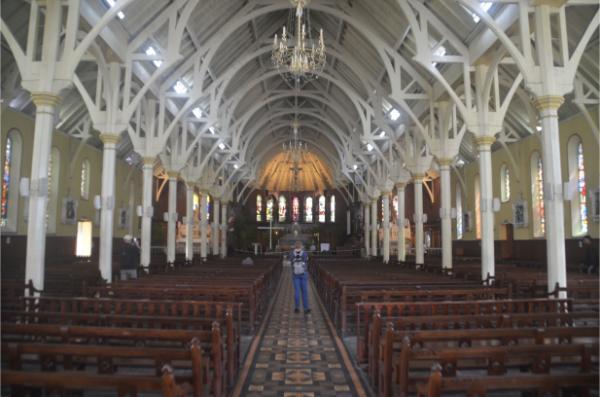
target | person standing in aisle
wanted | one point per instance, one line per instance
(299, 261)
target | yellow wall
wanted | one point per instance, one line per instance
(68, 147)
(521, 186)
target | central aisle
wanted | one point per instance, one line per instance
(297, 354)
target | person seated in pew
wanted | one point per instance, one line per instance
(130, 258)
(247, 261)
(299, 260)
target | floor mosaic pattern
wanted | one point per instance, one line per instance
(298, 354)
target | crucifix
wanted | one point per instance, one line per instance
(270, 229)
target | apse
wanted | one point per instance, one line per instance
(287, 171)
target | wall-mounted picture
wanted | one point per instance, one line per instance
(123, 218)
(596, 205)
(467, 221)
(520, 218)
(69, 211)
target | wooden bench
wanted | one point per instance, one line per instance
(211, 341)
(395, 344)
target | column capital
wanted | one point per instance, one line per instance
(486, 140)
(548, 102)
(418, 178)
(400, 186)
(386, 194)
(173, 174)
(109, 138)
(148, 160)
(445, 162)
(551, 3)
(41, 98)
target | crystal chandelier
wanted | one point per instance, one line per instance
(306, 60)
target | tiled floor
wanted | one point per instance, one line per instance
(297, 354)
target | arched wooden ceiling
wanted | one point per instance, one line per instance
(278, 173)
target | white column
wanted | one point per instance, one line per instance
(487, 211)
(172, 217)
(386, 227)
(189, 215)
(147, 211)
(203, 226)
(224, 229)
(446, 210)
(107, 216)
(348, 223)
(418, 185)
(400, 221)
(553, 197)
(374, 228)
(38, 193)
(216, 226)
(367, 229)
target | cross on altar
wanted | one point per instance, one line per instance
(270, 229)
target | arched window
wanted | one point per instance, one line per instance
(537, 195)
(84, 185)
(259, 208)
(459, 213)
(282, 208)
(395, 207)
(11, 169)
(504, 183)
(332, 209)
(579, 215)
(477, 208)
(208, 208)
(322, 209)
(308, 209)
(295, 209)
(270, 209)
(53, 180)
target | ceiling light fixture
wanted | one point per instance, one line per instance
(306, 59)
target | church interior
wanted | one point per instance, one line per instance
(300, 198)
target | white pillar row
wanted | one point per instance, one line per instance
(203, 226)
(172, 210)
(446, 213)
(367, 229)
(107, 212)
(400, 222)
(46, 104)
(374, 227)
(189, 221)
(215, 227)
(348, 223)
(418, 217)
(386, 227)
(147, 211)
(484, 144)
(224, 229)
(553, 198)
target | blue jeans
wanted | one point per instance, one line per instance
(301, 287)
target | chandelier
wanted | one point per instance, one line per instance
(306, 59)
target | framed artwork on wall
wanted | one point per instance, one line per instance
(123, 218)
(68, 214)
(520, 215)
(467, 221)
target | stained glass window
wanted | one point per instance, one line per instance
(282, 208)
(537, 194)
(459, 213)
(395, 207)
(477, 209)
(322, 209)
(259, 208)
(504, 183)
(578, 194)
(208, 208)
(332, 209)
(308, 210)
(295, 209)
(582, 190)
(6, 180)
(84, 187)
(270, 210)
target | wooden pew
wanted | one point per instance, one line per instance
(211, 341)
(397, 344)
